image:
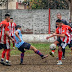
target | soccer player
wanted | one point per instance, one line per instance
(59, 16)
(64, 35)
(70, 24)
(4, 40)
(12, 26)
(21, 45)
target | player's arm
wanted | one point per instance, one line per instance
(16, 33)
(7, 34)
(51, 35)
(60, 35)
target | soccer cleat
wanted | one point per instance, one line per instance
(7, 64)
(13, 47)
(2, 62)
(45, 56)
(59, 63)
(21, 63)
(63, 57)
(57, 58)
(51, 54)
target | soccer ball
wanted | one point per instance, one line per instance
(52, 46)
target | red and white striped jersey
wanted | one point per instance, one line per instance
(71, 33)
(12, 28)
(65, 29)
(4, 27)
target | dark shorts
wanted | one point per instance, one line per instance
(3, 46)
(12, 36)
(61, 43)
(59, 40)
(70, 45)
(24, 46)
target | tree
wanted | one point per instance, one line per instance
(44, 4)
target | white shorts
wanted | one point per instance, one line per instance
(63, 45)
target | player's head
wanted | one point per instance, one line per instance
(18, 27)
(7, 17)
(59, 16)
(59, 23)
(11, 20)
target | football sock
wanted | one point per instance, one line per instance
(37, 52)
(53, 51)
(63, 50)
(60, 55)
(7, 54)
(71, 48)
(13, 44)
(22, 56)
(3, 53)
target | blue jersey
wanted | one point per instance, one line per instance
(17, 42)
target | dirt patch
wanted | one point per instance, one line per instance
(36, 64)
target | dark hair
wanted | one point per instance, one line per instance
(59, 20)
(69, 19)
(7, 15)
(18, 26)
(11, 18)
(59, 13)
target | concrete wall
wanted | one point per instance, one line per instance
(40, 38)
(35, 21)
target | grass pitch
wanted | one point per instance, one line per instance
(42, 47)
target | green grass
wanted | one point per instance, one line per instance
(42, 47)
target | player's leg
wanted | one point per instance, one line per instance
(63, 49)
(13, 43)
(52, 53)
(8, 54)
(71, 46)
(59, 55)
(56, 43)
(21, 48)
(22, 57)
(3, 53)
(30, 47)
(63, 55)
(38, 52)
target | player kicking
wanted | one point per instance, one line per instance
(21, 45)
(57, 42)
(64, 35)
(4, 40)
(12, 26)
(70, 24)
